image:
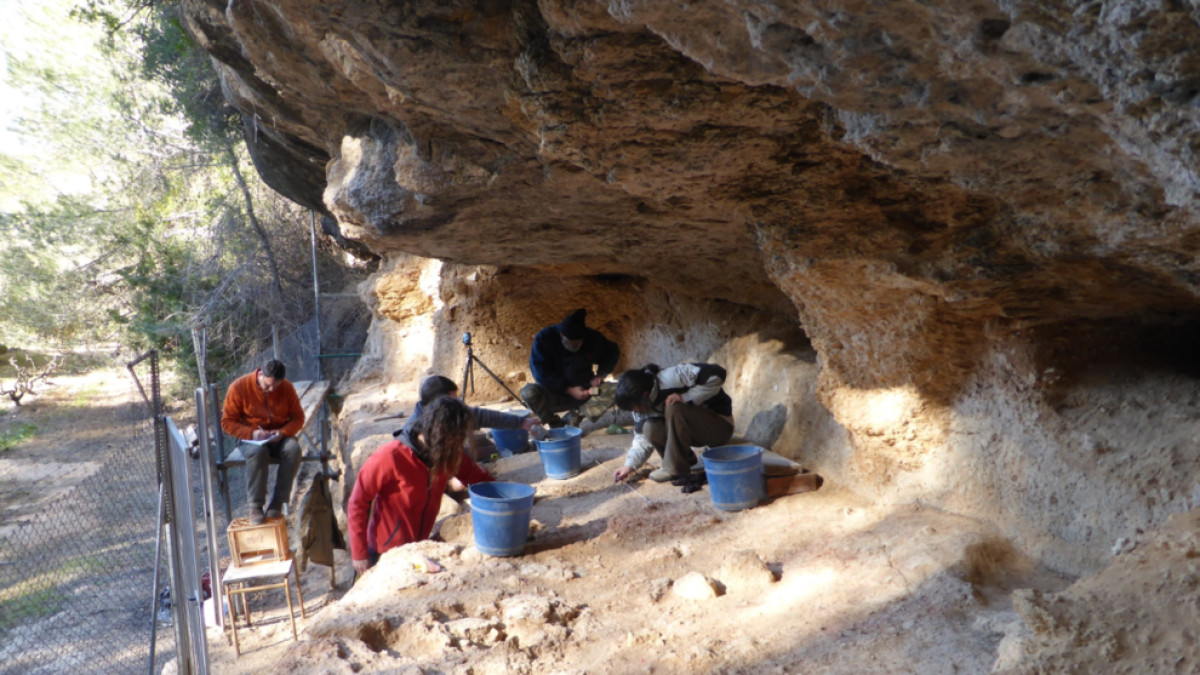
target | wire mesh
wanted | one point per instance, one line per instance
(76, 577)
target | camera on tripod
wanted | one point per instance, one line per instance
(468, 385)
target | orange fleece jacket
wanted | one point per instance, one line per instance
(247, 408)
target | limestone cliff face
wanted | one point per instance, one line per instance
(965, 206)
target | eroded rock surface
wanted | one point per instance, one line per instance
(1139, 615)
(910, 178)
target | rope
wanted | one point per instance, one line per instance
(614, 475)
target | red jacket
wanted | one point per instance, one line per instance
(247, 408)
(406, 505)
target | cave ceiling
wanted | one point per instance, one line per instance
(907, 178)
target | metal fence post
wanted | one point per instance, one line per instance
(218, 440)
(207, 468)
(187, 601)
(174, 573)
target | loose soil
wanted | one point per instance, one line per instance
(643, 578)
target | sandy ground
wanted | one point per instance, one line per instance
(78, 506)
(76, 419)
(648, 579)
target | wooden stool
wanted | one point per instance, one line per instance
(259, 552)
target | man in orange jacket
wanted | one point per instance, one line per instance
(262, 408)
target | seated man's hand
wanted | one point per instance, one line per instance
(621, 474)
(361, 566)
(597, 381)
(579, 393)
(672, 400)
(530, 422)
(261, 435)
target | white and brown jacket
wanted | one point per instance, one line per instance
(699, 384)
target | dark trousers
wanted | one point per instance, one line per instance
(284, 452)
(545, 403)
(684, 427)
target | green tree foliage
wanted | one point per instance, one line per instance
(130, 213)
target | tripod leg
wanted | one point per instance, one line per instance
(498, 380)
(466, 375)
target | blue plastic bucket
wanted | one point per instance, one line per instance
(500, 514)
(735, 477)
(511, 441)
(561, 453)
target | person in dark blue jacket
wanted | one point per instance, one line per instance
(568, 359)
(478, 446)
(437, 386)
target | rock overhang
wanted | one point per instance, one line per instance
(908, 179)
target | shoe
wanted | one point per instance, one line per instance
(661, 476)
(692, 482)
(274, 510)
(256, 516)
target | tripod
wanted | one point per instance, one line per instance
(469, 372)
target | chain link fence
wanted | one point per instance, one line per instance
(77, 572)
(345, 327)
(77, 575)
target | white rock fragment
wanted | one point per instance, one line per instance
(477, 631)
(695, 586)
(526, 608)
(1123, 545)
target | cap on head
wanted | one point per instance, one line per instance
(574, 327)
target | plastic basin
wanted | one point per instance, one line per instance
(511, 441)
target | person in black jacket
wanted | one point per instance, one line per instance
(567, 360)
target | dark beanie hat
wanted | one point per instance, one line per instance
(573, 326)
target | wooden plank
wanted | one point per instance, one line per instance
(312, 399)
(790, 485)
(236, 458)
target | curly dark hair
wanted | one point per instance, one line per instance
(440, 434)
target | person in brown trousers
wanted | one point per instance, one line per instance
(263, 410)
(674, 410)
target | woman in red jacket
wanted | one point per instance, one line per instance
(399, 489)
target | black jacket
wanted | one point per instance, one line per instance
(557, 369)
